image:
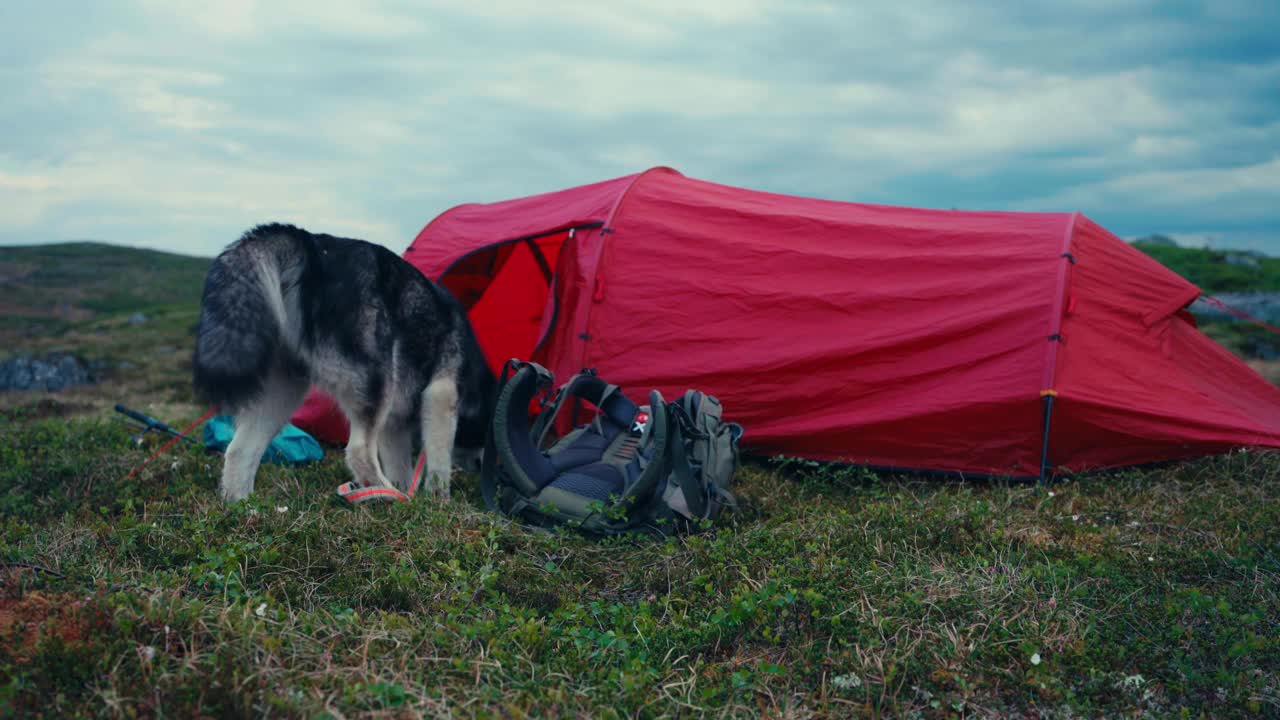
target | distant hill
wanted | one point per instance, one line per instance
(54, 285)
(1215, 271)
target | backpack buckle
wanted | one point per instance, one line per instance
(547, 399)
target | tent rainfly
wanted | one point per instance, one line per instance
(988, 343)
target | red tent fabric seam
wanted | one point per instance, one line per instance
(610, 229)
(617, 205)
(1048, 394)
(1055, 318)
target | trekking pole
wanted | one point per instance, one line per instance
(151, 423)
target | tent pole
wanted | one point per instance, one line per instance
(1044, 451)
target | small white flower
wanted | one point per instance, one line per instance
(261, 611)
(1150, 559)
(1135, 523)
(1075, 518)
(174, 466)
(253, 512)
(1035, 659)
(1052, 493)
(146, 652)
(282, 509)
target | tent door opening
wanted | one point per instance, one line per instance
(505, 288)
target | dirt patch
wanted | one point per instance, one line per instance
(24, 620)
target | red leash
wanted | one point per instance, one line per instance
(1239, 314)
(349, 491)
(356, 494)
(176, 438)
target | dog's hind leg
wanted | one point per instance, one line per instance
(362, 454)
(256, 424)
(439, 425)
(395, 445)
(366, 417)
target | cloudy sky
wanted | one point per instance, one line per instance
(176, 125)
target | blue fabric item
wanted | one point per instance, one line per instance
(291, 446)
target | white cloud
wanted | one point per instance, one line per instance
(369, 119)
(225, 18)
(170, 97)
(25, 183)
(611, 87)
(232, 20)
(216, 200)
(1237, 193)
(24, 199)
(1155, 146)
(975, 112)
(1202, 184)
(660, 22)
(632, 157)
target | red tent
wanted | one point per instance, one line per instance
(884, 336)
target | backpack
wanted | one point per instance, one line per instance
(658, 467)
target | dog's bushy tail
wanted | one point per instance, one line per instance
(240, 335)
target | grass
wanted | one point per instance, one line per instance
(828, 594)
(831, 593)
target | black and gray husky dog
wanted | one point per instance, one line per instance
(284, 309)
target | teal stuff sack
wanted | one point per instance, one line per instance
(291, 446)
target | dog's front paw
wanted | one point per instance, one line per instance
(438, 484)
(231, 496)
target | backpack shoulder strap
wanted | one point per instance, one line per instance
(489, 464)
(682, 428)
(586, 385)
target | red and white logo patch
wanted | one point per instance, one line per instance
(641, 422)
